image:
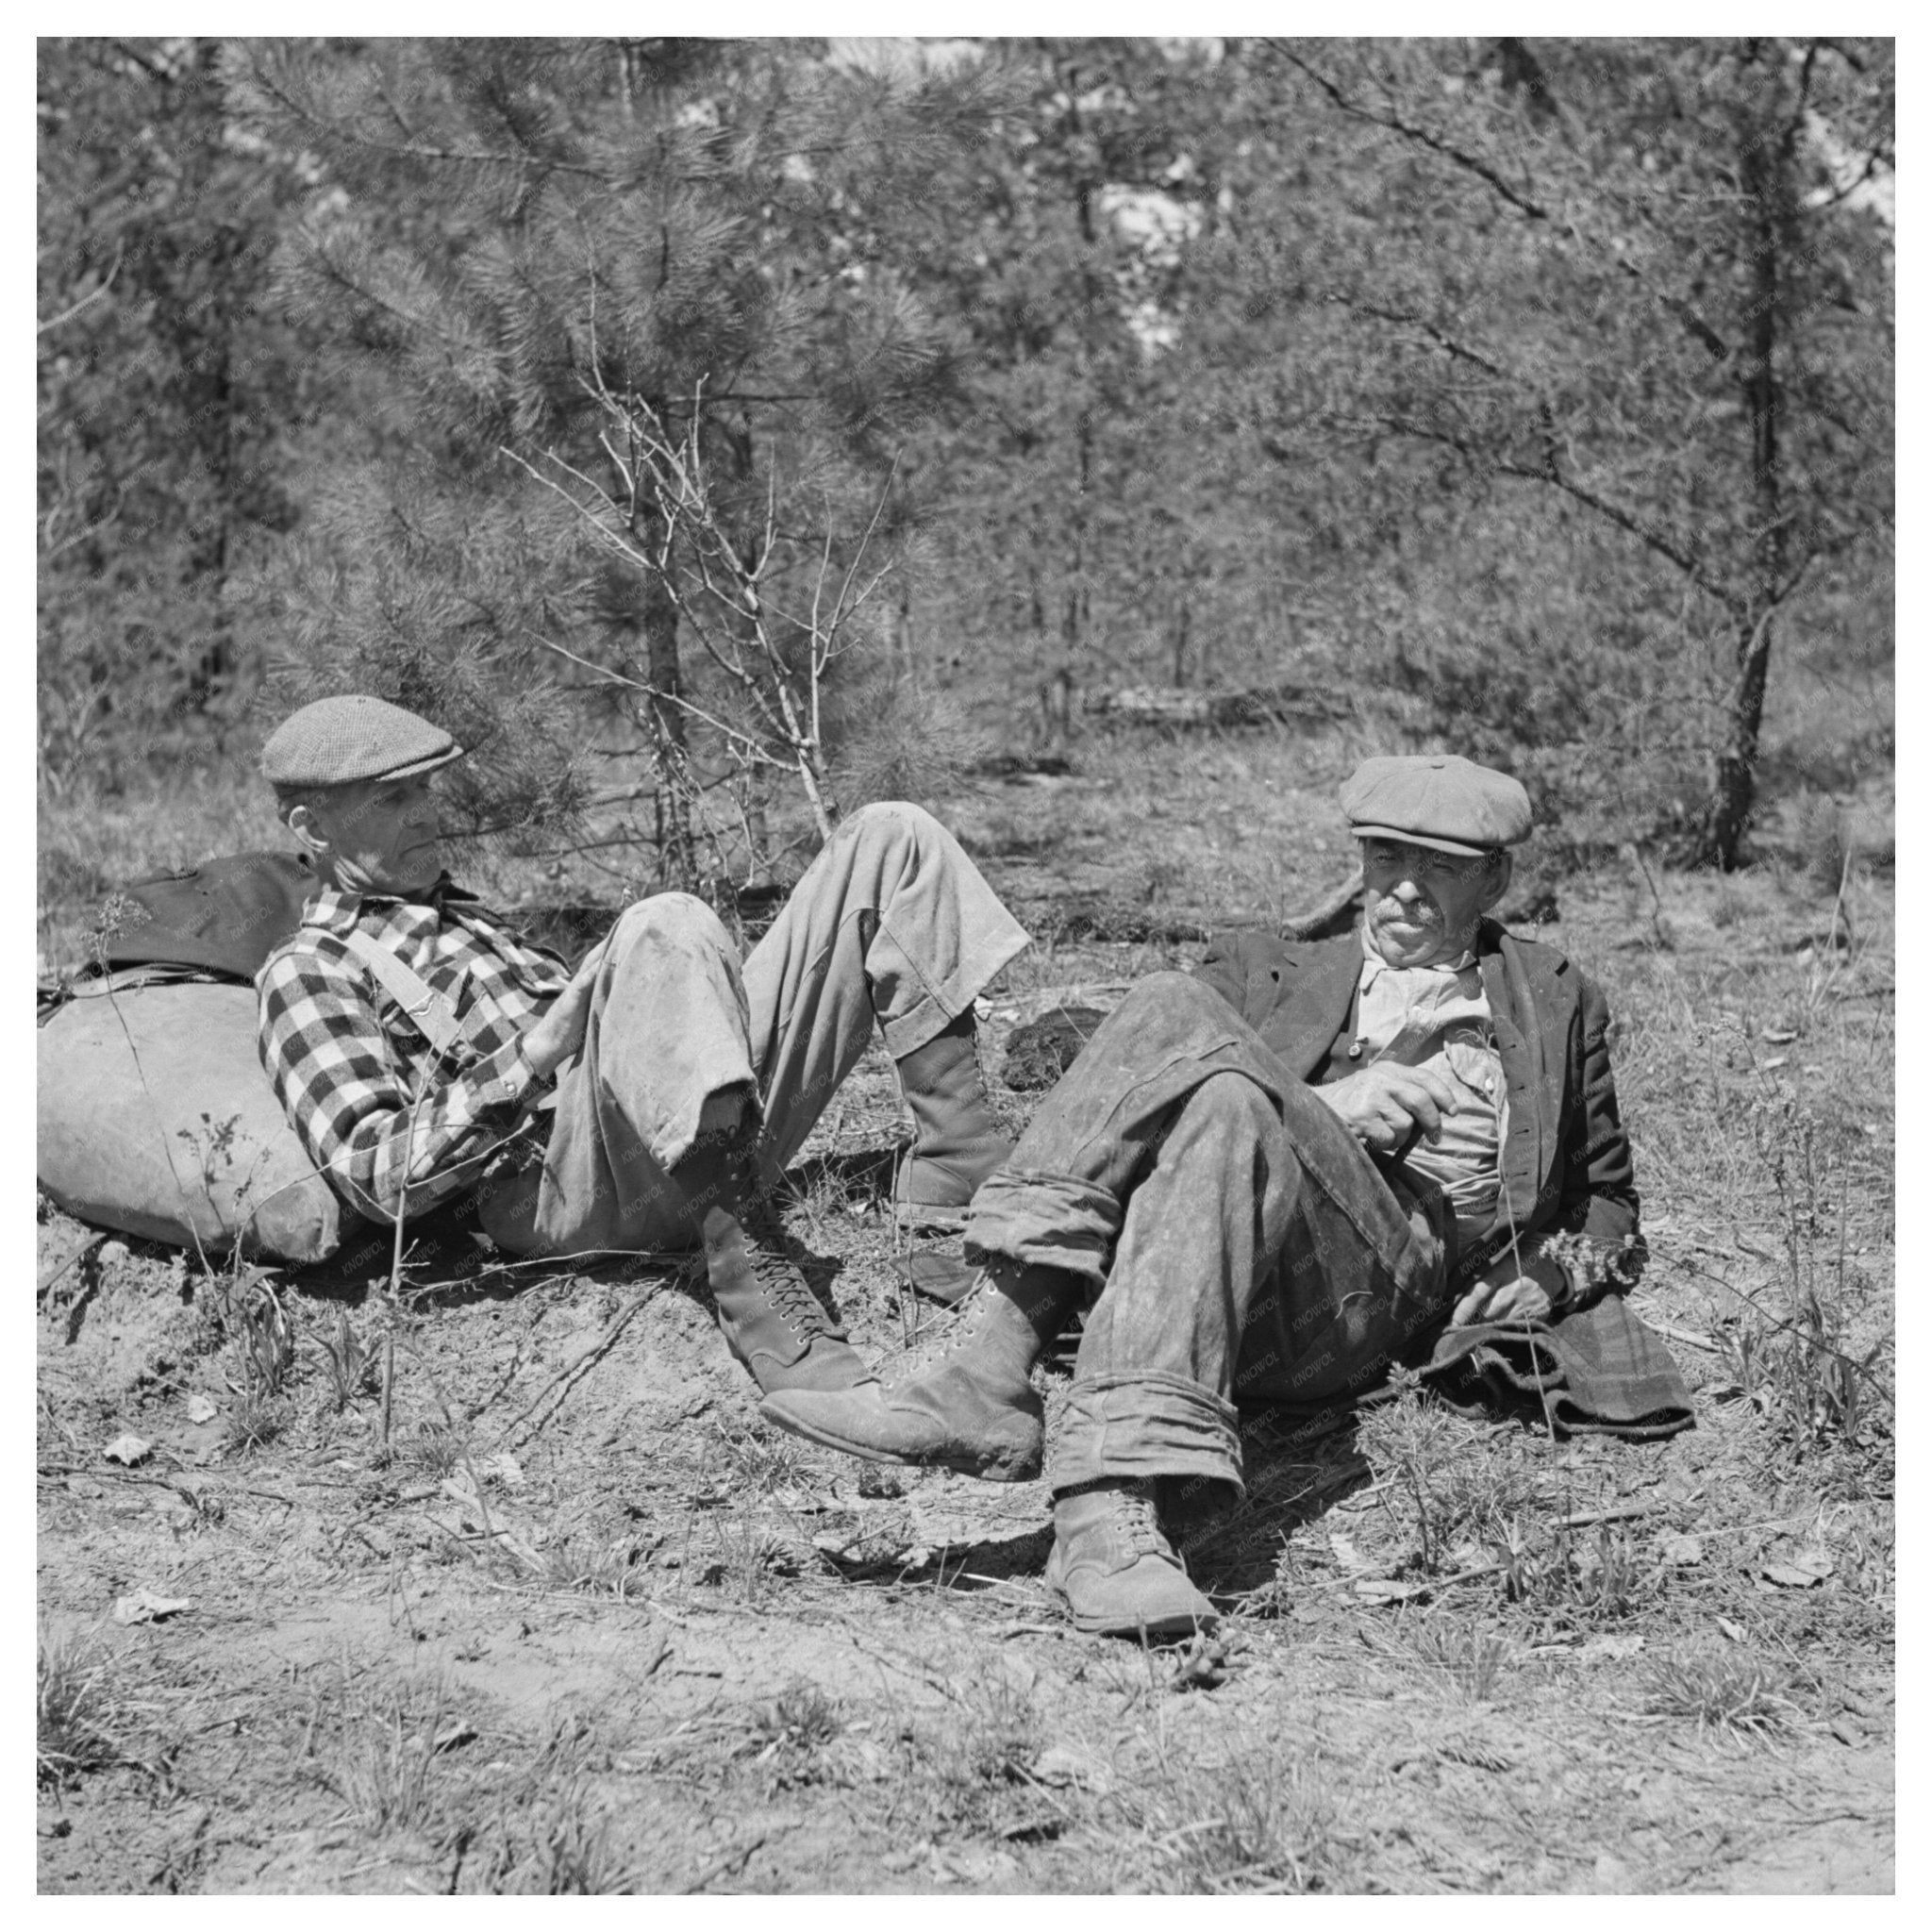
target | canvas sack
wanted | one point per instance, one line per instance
(154, 1116)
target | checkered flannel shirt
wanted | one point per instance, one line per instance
(377, 1109)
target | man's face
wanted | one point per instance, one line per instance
(384, 836)
(1424, 904)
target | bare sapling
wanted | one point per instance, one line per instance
(773, 611)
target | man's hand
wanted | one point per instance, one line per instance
(1385, 1103)
(560, 1032)
(1506, 1293)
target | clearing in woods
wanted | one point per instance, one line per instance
(588, 1627)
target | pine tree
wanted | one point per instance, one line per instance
(172, 394)
(1641, 283)
(558, 253)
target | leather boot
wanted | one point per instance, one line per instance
(1114, 1568)
(959, 1142)
(974, 1409)
(772, 1320)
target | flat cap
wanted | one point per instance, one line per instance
(1444, 802)
(346, 740)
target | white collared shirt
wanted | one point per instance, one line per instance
(1438, 1017)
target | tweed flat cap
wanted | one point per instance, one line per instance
(1446, 803)
(347, 740)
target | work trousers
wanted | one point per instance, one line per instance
(1242, 1245)
(892, 925)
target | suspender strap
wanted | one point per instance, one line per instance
(434, 1012)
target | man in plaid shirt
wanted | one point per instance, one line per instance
(654, 1096)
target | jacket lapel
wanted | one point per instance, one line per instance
(1535, 1106)
(1317, 995)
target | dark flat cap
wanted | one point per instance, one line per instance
(346, 740)
(1444, 802)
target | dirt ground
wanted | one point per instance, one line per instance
(586, 1625)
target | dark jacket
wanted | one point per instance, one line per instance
(1567, 1166)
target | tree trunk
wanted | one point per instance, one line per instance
(654, 618)
(1764, 171)
(1734, 788)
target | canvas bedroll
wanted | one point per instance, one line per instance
(154, 1118)
(153, 1114)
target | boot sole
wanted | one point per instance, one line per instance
(1179, 1625)
(986, 1470)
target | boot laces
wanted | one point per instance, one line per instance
(781, 1283)
(1137, 1525)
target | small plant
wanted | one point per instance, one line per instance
(245, 1309)
(764, 1459)
(1469, 1655)
(73, 1710)
(1803, 1370)
(1723, 1692)
(433, 1450)
(1254, 1823)
(569, 1852)
(387, 1774)
(599, 1569)
(254, 1423)
(790, 1733)
(348, 1359)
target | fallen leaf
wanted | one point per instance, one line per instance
(1057, 1765)
(144, 1606)
(1811, 1557)
(128, 1448)
(1789, 1576)
(1681, 1551)
(1777, 1036)
(1346, 1552)
(1734, 1631)
(503, 1468)
(1386, 1589)
(450, 1736)
(1609, 1649)
(200, 1409)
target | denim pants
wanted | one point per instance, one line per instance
(892, 925)
(1242, 1245)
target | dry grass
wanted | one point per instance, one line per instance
(686, 1651)
(78, 1712)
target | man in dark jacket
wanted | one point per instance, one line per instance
(1274, 1178)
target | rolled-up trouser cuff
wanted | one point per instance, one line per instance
(1132, 1426)
(1048, 1220)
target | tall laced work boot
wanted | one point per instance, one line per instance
(959, 1140)
(772, 1320)
(1114, 1568)
(974, 1409)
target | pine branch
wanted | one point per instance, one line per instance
(1527, 206)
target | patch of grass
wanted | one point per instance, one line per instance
(742, 1559)
(562, 1849)
(1471, 1655)
(76, 1713)
(254, 1423)
(348, 1360)
(1720, 1691)
(1258, 1821)
(764, 1458)
(789, 1734)
(1453, 1482)
(388, 1771)
(598, 1568)
(432, 1450)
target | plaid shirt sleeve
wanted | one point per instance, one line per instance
(349, 1102)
